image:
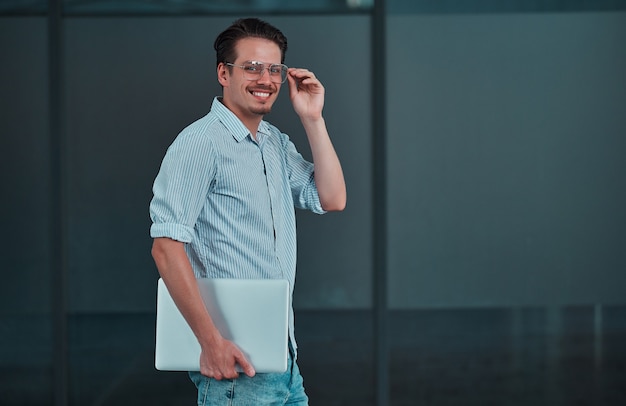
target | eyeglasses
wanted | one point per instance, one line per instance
(254, 70)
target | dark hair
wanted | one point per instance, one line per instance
(244, 28)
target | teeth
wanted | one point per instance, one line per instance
(261, 94)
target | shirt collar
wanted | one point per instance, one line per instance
(232, 122)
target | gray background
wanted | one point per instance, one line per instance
(504, 192)
(129, 93)
(505, 156)
(506, 137)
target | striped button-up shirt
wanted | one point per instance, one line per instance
(231, 199)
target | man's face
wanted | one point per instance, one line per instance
(250, 99)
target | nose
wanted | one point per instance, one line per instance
(265, 76)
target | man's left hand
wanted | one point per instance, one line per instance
(306, 93)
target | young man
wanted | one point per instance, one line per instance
(224, 202)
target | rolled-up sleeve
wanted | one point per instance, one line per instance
(181, 186)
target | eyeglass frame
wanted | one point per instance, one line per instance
(265, 66)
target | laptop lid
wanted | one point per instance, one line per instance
(253, 313)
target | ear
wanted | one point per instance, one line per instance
(223, 74)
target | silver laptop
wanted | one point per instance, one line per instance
(253, 313)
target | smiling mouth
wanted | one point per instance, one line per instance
(263, 95)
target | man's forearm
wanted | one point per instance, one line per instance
(329, 178)
(175, 269)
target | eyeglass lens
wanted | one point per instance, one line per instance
(254, 70)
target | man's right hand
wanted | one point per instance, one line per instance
(219, 360)
(218, 357)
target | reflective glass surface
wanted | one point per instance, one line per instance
(26, 328)
(212, 6)
(20, 7)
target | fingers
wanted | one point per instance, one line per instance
(220, 373)
(300, 73)
(222, 364)
(247, 368)
(302, 78)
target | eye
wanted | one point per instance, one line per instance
(276, 70)
(253, 68)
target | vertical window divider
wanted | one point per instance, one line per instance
(58, 205)
(379, 191)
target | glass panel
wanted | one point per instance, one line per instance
(25, 300)
(512, 356)
(132, 85)
(499, 6)
(505, 154)
(505, 159)
(112, 363)
(336, 356)
(20, 7)
(212, 6)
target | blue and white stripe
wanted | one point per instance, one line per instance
(231, 200)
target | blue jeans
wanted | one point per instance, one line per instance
(260, 390)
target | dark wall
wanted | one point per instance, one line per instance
(24, 166)
(505, 191)
(505, 137)
(506, 159)
(131, 84)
